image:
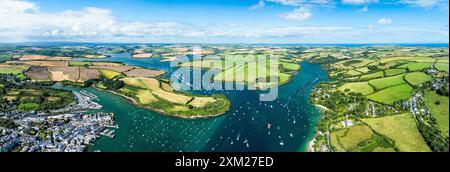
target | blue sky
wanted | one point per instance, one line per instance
(226, 21)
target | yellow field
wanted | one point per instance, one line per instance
(109, 74)
(180, 108)
(145, 97)
(363, 70)
(154, 86)
(201, 101)
(166, 87)
(416, 59)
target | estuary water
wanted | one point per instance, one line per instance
(284, 125)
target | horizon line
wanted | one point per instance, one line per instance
(94, 42)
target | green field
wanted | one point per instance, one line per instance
(438, 106)
(442, 67)
(28, 106)
(416, 59)
(392, 72)
(373, 75)
(392, 94)
(361, 63)
(77, 63)
(363, 70)
(416, 66)
(402, 129)
(417, 78)
(10, 70)
(443, 60)
(5, 57)
(357, 87)
(359, 138)
(109, 74)
(387, 82)
(384, 66)
(348, 139)
(291, 66)
(353, 73)
(283, 78)
(354, 136)
(248, 74)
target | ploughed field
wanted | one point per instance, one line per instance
(74, 71)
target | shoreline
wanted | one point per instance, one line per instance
(322, 107)
(161, 112)
(311, 144)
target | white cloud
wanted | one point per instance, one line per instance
(370, 28)
(300, 14)
(364, 9)
(306, 31)
(303, 8)
(260, 4)
(384, 21)
(13, 6)
(22, 20)
(298, 3)
(288, 2)
(358, 2)
(425, 3)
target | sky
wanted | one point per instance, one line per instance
(225, 21)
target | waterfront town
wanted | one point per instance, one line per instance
(70, 129)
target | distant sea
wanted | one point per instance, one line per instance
(258, 44)
(366, 45)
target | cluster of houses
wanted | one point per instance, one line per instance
(57, 132)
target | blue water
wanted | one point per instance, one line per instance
(244, 128)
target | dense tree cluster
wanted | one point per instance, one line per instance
(31, 95)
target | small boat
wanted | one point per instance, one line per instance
(238, 136)
(269, 125)
(281, 143)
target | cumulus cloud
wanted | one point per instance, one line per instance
(384, 21)
(306, 31)
(364, 9)
(21, 20)
(425, 3)
(358, 2)
(298, 3)
(303, 8)
(24, 21)
(260, 4)
(299, 14)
